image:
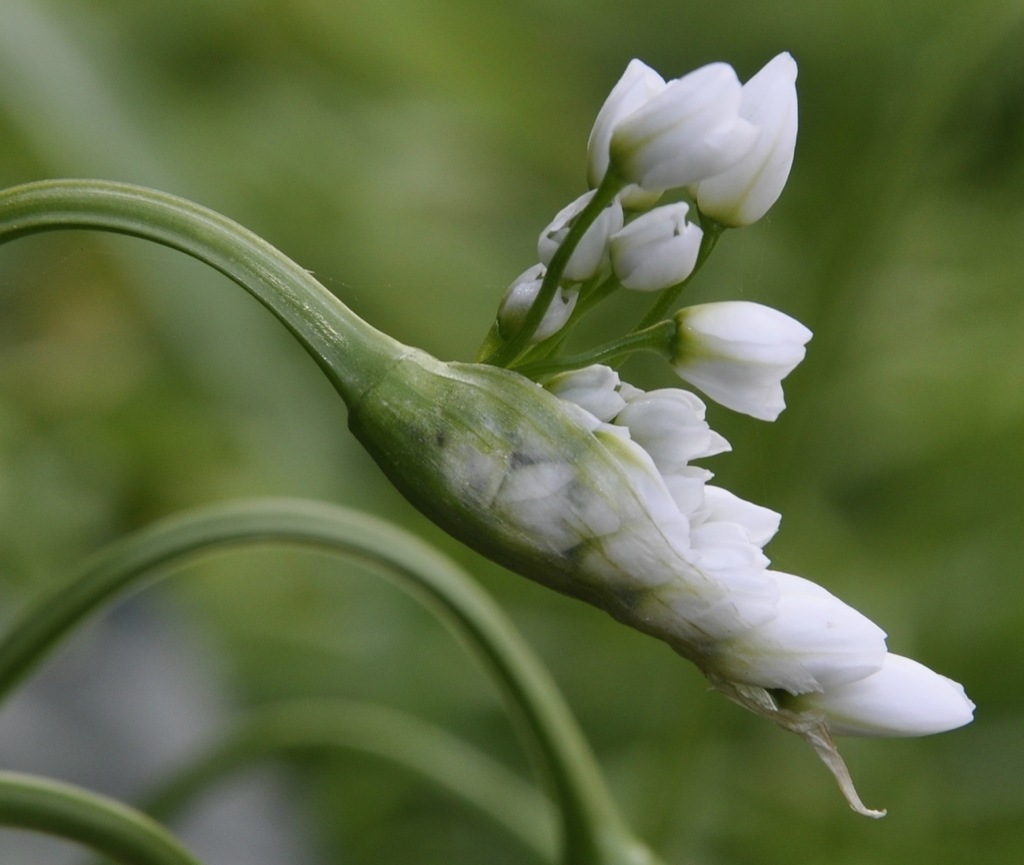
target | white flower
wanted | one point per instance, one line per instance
(738, 352)
(592, 250)
(815, 642)
(594, 388)
(691, 596)
(903, 698)
(687, 487)
(519, 298)
(720, 505)
(669, 424)
(657, 249)
(638, 84)
(744, 193)
(690, 129)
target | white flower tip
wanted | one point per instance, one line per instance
(781, 65)
(903, 698)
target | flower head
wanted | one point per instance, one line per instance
(743, 193)
(588, 487)
(738, 353)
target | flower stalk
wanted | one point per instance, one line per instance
(351, 353)
(658, 339)
(592, 830)
(605, 194)
(84, 817)
(305, 727)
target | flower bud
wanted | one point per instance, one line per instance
(506, 467)
(669, 424)
(519, 298)
(638, 84)
(903, 698)
(689, 130)
(720, 505)
(738, 352)
(744, 193)
(815, 642)
(593, 388)
(656, 250)
(592, 251)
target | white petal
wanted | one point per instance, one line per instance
(738, 352)
(904, 698)
(744, 193)
(720, 505)
(638, 84)
(657, 249)
(689, 131)
(592, 250)
(815, 642)
(519, 298)
(593, 388)
(669, 424)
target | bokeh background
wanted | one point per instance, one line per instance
(408, 152)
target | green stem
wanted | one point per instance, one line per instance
(312, 727)
(591, 293)
(69, 812)
(657, 338)
(351, 353)
(603, 196)
(670, 296)
(592, 830)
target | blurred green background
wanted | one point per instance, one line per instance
(408, 152)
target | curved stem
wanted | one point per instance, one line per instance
(69, 812)
(591, 826)
(350, 352)
(312, 727)
(603, 196)
(657, 338)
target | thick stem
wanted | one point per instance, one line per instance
(74, 814)
(593, 833)
(351, 353)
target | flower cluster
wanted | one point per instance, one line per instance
(692, 570)
(778, 632)
(729, 146)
